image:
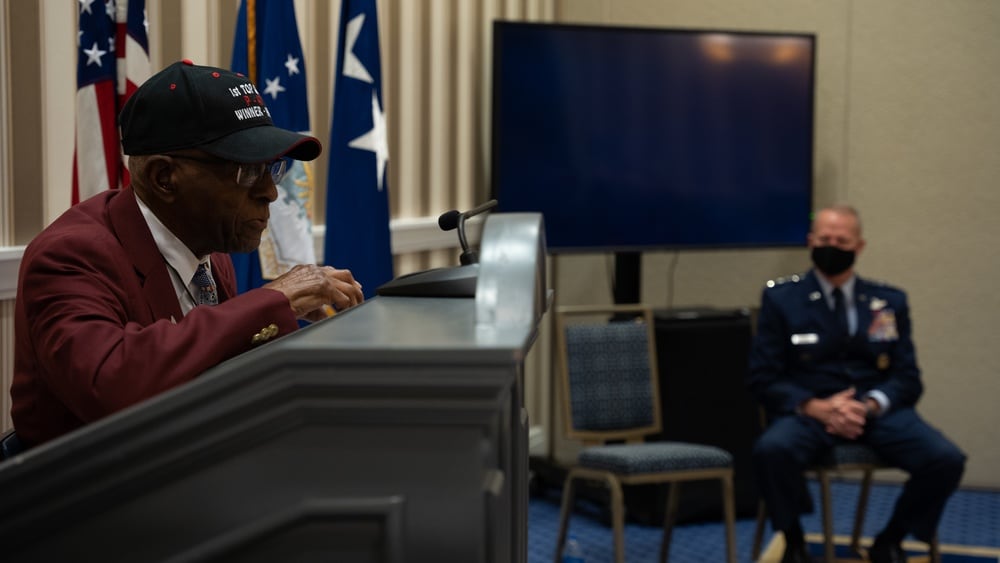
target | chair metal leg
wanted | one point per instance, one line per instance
(669, 519)
(828, 548)
(934, 550)
(567, 507)
(617, 517)
(729, 505)
(859, 512)
(758, 534)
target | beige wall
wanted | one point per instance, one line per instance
(907, 129)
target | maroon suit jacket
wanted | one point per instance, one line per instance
(98, 327)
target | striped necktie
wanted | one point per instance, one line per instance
(206, 286)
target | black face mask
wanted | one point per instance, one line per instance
(832, 260)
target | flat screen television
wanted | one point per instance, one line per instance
(630, 139)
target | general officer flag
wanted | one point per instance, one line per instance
(112, 61)
(267, 49)
(357, 202)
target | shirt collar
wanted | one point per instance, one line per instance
(847, 287)
(175, 252)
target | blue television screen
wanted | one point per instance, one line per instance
(634, 139)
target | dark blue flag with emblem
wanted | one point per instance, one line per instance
(267, 49)
(357, 196)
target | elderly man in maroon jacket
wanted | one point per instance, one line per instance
(131, 292)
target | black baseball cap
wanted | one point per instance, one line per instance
(186, 106)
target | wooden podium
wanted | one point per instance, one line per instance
(394, 432)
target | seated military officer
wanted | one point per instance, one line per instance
(833, 362)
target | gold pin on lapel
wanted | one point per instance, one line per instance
(883, 361)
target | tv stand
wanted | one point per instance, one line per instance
(628, 277)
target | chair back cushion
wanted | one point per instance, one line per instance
(610, 378)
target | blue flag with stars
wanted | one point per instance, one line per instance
(271, 56)
(357, 196)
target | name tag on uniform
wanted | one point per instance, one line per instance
(805, 338)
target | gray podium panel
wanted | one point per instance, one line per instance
(392, 432)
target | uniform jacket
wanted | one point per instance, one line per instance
(98, 327)
(797, 354)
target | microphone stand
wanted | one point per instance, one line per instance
(468, 256)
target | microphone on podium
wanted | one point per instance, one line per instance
(451, 281)
(453, 219)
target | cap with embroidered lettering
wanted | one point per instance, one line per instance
(187, 106)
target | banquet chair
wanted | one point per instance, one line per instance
(841, 458)
(609, 393)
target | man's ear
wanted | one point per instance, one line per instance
(158, 178)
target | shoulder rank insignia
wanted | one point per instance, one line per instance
(794, 278)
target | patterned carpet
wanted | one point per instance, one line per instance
(916, 551)
(969, 531)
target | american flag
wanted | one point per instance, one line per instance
(267, 49)
(112, 61)
(357, 201)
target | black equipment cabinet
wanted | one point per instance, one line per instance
(702, 355)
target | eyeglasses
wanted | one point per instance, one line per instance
(248, 174)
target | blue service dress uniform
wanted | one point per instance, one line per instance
(800, 352)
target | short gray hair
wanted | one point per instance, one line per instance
(843, 209)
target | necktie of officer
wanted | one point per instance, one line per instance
(206, 286)
(840, 311)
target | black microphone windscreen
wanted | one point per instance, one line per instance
(448, 220)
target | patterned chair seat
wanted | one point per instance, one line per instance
(654, 457)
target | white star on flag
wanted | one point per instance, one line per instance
(101, 89)
(375, 140)
(352, 65)
(94, 55)
(292, 64)
(273, 87)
